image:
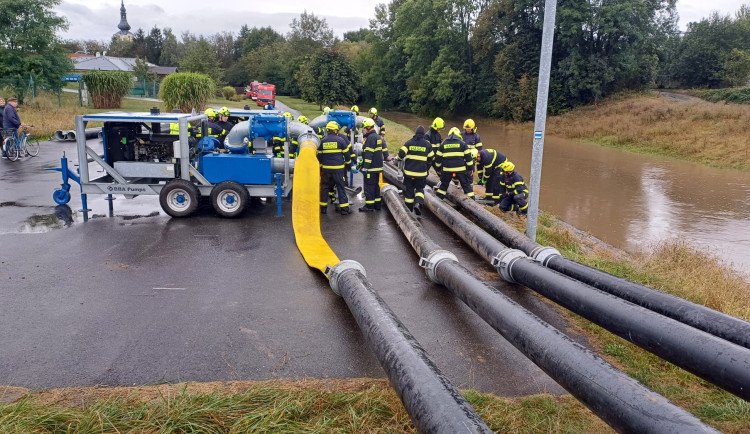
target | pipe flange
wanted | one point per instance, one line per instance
(334, 273)
(431, 262)
(543, 254)
(504, 261)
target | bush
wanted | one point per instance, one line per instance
(108, 87)
(186, 90)
(228, 92)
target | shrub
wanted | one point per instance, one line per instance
(108, 87)
(228, 92)
(186, 90)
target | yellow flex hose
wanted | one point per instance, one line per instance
(306, 210)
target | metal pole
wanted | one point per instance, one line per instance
(542, 93)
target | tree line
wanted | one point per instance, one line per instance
(460, 56)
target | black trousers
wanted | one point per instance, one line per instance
(518, 202)
(463, 178)
(371, 186)
(414, 190)
(333, 178)
(493, 191)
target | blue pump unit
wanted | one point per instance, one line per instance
(343, 118)
(268, 126)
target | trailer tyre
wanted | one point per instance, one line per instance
(229, 198)
(61, 197)
(179, 198)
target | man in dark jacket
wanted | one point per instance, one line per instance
(453, 158)
(372, 166)
(333, 156)
(515, 192)
(490, 174)
(417, 156)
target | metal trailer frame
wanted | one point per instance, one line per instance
(113, 182)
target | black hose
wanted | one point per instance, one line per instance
(616, 398)
(701, 317)
(720, 362)
(433, 403)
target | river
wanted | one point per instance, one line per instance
(629, 200)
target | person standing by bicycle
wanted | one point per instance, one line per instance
(11, 120)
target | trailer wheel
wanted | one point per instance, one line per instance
(179, 198)
(229, 198)
(61, 197)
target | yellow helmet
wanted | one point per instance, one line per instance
(332, 126)
(474, 153)
(211, 113)
(438, 124)
(355, 109)
(456, 132)
(288, 115)
(470, 125)
(368, 123)
(507, 166)
(373, 111)
(224, 111)
(303, 119)
(326, 109)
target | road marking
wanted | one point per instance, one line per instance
(172, 289)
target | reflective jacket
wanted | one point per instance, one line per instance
(490, 161)
(372, 152)
(513, 183)
(381, 125)
(352, 155)
(278, 147)
(435, 139)
(332, 153)
(473, 141)
(417, 155)
(453, 155)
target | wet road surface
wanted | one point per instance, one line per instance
(630, 200)
(142, 298)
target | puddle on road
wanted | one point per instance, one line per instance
(63, 217)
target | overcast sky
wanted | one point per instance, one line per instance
(98, 19)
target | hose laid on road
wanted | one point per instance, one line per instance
(616, 398)
(701, 317)
(433, 403)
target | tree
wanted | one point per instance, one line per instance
(29, 47)
(257, 38)
(357, 35)
(328, 78)
(310, 34)
(139, 44)
(154, 44)
(171, 52)
(201, 58)
(223, 45)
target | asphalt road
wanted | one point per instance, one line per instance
(142, 298)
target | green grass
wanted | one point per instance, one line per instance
(737, 95)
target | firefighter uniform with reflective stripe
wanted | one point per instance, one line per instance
(453, 158)
(417, 156)
(372, 167)
(490, 174)
(333, 157)
(473, 141)
(332, 188)
(278, 147)
(433, 136)
(515, 193)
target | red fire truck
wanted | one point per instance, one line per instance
(266, 94)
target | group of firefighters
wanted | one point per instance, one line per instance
(456, 158)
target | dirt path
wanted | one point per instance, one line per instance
(679, 97)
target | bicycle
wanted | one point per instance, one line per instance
(15, 147)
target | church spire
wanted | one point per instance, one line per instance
(124, 26)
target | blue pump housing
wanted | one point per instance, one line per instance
(268, 126)
(343, 118)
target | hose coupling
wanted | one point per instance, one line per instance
(388, 188)
(504, 261)
(543, 254)
(334, 273)
(431, 262)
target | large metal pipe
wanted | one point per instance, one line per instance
(616, 398)
(701, 317)
(723, 363)
(59, 135)
(433, 404)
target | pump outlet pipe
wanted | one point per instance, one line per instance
(616, 398)
(722, 363)
(701, 317)
(433, 404)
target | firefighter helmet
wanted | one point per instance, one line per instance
(332, 126)
(470, 125)
(224, 111)
(507, 166)
(474, 153)
(288, 115)
(326, 109)
(438, 124)
(373, 111)
(355, 109)
(455, 132)
(303, 119)
(368, 123)
(211, 113)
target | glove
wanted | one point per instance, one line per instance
(360, 163)
(363, 170)
(482, 181)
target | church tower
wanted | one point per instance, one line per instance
(124, 27)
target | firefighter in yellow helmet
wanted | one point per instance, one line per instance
(490, 174)
(453, 159)
(433, 135)
(472, 139)
(515, 194)
(333, 156)
(224, 122)
(355, 110)
(373, 112)
(372, 166)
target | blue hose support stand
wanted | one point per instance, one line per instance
(61, 196)
(279, 194)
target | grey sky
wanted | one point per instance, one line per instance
(98, 19)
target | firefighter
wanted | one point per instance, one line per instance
(490, 174)
(417, 156)
(355, 110)
(514, 191)
(453, 158)
(214, 129)
(433, 136)
(381, 128)
(472, 139)
(278, 142)
(372, 166)
(326, 109)
(224, 121)
(303, 119)
(333, 157)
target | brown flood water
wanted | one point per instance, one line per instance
(628, 200)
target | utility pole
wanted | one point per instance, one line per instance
(542, 94)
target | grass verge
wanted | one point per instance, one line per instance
(712, 134)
